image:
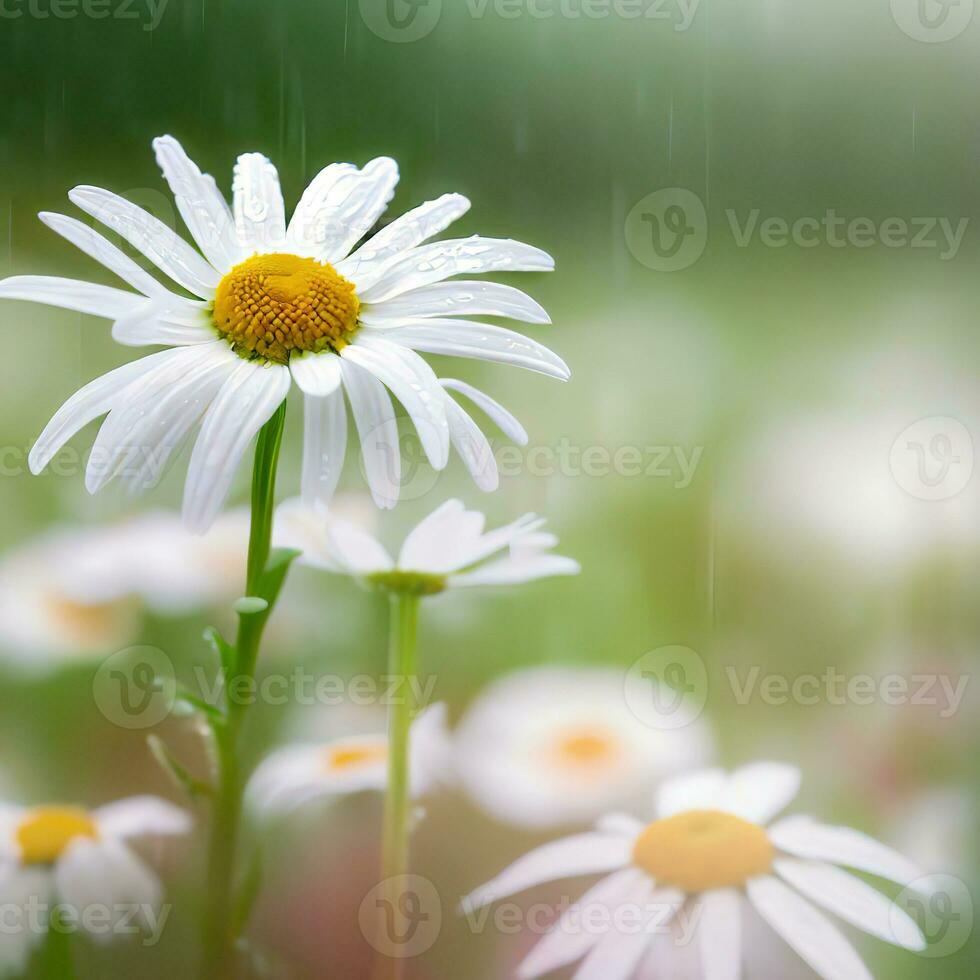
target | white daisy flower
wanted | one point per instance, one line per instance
(53, 606)
(553, 746)
(279, 302)
(80, 859)
(447, 549)
(687, 875)
(299, 774)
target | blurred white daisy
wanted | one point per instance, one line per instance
(447, 549)
(80, 859)
(298, 774)
(678, 885)
(278, 302)
(553, 746)
(54, 606)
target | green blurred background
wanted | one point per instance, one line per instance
(788, 372)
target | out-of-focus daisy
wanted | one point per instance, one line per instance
(299, 774)
(53, 607)
(278, 302)
(70, 856)
(559, 745)
(447, 549)
(685, 877)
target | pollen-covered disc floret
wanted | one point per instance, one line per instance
(701, 850)
(271, 305)
(45, 833)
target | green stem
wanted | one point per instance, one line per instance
(219, 931)
(56, 959)
(403, 665)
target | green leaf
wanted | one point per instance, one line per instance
(224, 650)
(179, 773)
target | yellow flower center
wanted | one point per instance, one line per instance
(271, 305)
(585, 748)
(703, 849)
(45, 832)
(88, 623)
(347, 757)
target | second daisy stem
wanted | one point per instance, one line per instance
(403, 667)
(219, 938)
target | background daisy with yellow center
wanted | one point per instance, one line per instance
(278, 303)
(81, 860)
(710, 851)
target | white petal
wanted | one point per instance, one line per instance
(758, 792)
(324, 446)
(411, 229)
(720, 934)
(804, 837)
(341, 206)
(569, 939)
(171, 418)
(515, 570)
(581, 854)
(504, 420)
(202, 206)
(140, 815)
(147, 234)
(150, 327)
(359, 552)
(620, 823)
(853, 900)
(414, 384)
(443, 540)
(244, 404)
(316, 374)
(138, 428)
(809, 932)
(104, 252)
(72, 294)
(452, 299)
(88, 403)
(433, 263)
(698, 791)
(618, 953)
(464, 338)
(473, 447)
(107, 874)
(260, 215)
(377, 429)
(20, 888)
